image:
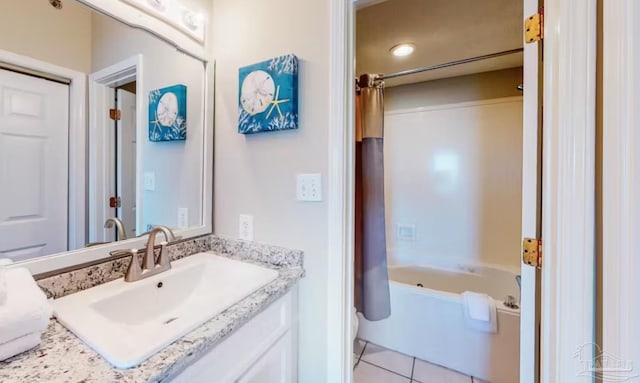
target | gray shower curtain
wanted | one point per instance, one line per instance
(371, 276)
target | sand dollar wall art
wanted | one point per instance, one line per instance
(268, 96)
(168, 114)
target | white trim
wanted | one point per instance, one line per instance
(101, 141)
(208, 147)
(621, 181)
(459, 105)
(77, 139)
(341, 194)
(568, 215)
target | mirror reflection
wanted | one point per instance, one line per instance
(101, 130)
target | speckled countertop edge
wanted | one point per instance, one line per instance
(62, 357)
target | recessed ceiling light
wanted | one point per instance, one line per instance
(402, 50)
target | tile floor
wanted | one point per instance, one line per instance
(375, 364)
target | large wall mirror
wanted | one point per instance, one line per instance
(103, 134)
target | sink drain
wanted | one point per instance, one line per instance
(170, 320)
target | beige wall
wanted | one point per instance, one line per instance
(481, 86)
(256, 174)
(34, 28)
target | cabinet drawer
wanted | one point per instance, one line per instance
(228, 360)
(275, 366)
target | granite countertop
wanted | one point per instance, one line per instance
(62, 357)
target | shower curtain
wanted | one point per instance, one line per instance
(371, 276)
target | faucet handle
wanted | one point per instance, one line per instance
(163, 257)
(134, 271)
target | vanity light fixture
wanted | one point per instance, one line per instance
(175, 13)
(402, 50)
(191, 19)
(160, 5)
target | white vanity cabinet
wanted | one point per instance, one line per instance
(263, 350)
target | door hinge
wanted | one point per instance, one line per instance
(534, 27)
(115, 114)
(532, 252)
(115, 202)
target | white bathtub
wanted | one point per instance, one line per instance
(428, 322)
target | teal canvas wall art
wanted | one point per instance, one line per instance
(168, 114)
(268, 96)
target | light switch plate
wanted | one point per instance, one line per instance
(183, 217)
(309, 187)
(149, 181)
(245, 231)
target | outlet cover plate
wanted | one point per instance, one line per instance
(309, 187)
(245, 230)
(149, 181)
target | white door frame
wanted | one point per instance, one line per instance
(102, 86)
(77, 139)
(531, 207)
(621, 184)
(568, 189)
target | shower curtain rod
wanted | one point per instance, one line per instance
(449, 64)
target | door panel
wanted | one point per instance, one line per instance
(126, 168)
(34, 131)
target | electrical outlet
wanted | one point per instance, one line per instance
(183, 217)
(246, 227)
(149, 181)
(309, 187)
(406, 232)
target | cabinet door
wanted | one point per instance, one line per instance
(275, 366)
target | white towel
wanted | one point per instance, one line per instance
(20, 345)
(480, 312)
(26, 309)
(3, 281)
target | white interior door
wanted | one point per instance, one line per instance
(34, 139)
(126, 161)
(531, 208)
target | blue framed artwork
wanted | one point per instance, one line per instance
(268, 96)
(168, 114)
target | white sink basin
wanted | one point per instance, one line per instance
(127, 322)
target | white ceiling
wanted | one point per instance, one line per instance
(443, 31)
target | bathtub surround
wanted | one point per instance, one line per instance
(454, 172)
(371, 277)
(63, 357)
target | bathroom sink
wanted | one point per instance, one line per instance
(127, 322)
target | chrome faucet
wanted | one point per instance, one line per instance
(108, 224)
(150, 264)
